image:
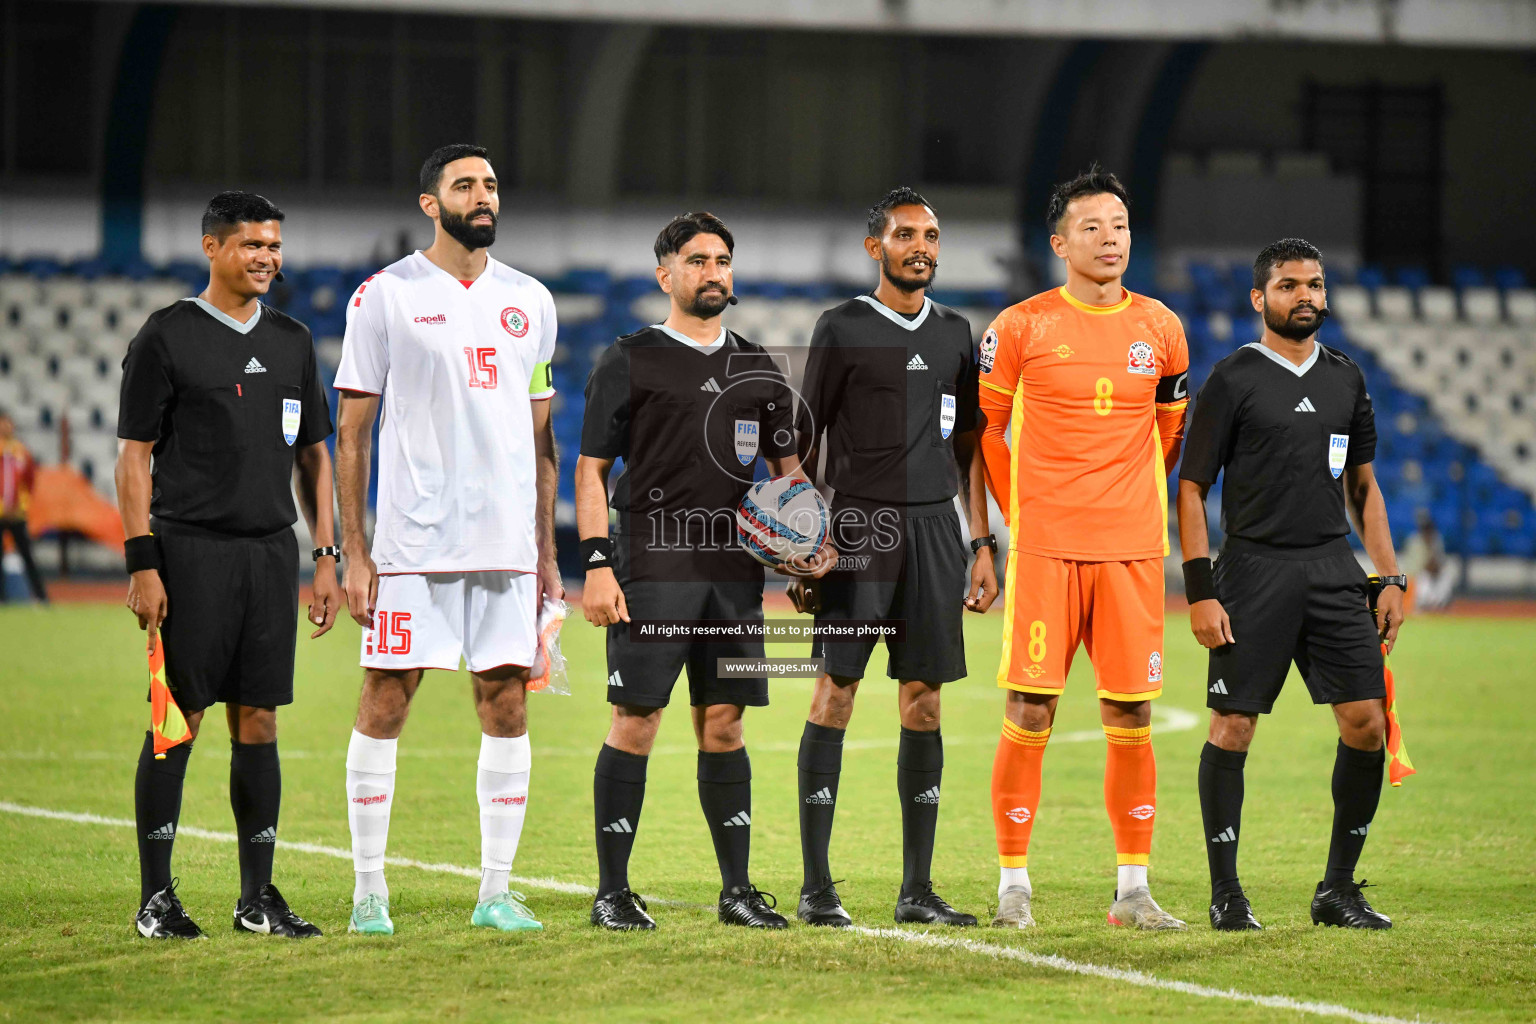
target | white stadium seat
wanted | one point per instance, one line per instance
(1437, 305)
(1351, 302)
(1520, 303)
(1394, 303)
(1482, 305)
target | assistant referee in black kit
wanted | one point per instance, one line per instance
(223, 393)
(1286, 419)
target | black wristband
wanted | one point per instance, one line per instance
(596, 553)
(989, 541)
(141, 553)
(1199, 581)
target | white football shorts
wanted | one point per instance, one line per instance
(432, 620)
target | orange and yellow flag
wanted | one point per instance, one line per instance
(1399, 766)
(165, 718)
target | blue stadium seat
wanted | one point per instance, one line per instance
(1509, 277)
(1465, 275)
(1370, 276)
(1412, 277)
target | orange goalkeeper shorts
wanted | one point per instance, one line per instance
(1115, 609)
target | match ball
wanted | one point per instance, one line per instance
(782, 518)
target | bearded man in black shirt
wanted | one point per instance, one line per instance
(1284, 418)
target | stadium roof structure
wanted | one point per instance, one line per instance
(1484, 23)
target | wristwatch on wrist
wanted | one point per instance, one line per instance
(1400, 582)
(989, 541)
(319, 553)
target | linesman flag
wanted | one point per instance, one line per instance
(1399, 766)
(165, 718)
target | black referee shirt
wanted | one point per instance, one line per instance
(1283, 434)
(889, 392)
(226, 404)
(688, 421)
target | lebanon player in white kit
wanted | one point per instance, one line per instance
(457, 347)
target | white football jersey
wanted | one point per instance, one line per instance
(458, 368)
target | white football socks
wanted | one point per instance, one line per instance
(1012, 878)
(501, 785)
(1131, 876)
(370, 795)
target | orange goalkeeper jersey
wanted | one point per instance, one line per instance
(1095, 398)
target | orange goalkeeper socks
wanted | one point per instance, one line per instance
(1016, 790)
(1130, 792)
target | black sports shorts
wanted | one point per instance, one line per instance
(897, 563)
(643, 672)
(232, 615)
(1307, 605)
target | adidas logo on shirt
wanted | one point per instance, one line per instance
(710, 385)
(254, 367)
(1305, 405)
(1362, 830)
(622, 825)
(266, 835)
(1225, 836)
(166, 831)
(927, 796)
(739, 818)
(1219, 686)
(821, 796)
(916, 363)
(614, 680)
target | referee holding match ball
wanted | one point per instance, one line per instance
(223, 393)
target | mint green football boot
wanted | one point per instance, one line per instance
(505, 912)
(370, 916)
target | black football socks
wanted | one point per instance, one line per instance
(821, 765)
(919, 772)
(1221, 808)
(157, 811)
(255, 793)
(618, 792)
(725, 793)
(1356, 792)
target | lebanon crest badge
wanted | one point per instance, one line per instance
(1141, 359)
(515, 321)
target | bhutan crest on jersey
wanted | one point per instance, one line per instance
(1142, 359)
(1155, 668)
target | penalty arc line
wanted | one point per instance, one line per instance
(1024, 956)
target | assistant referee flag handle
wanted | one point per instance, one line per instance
(146, 591)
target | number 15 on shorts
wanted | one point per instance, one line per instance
(391, 634)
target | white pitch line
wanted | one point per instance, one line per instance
(923, 938)
(1164, 720)
(1138, 978)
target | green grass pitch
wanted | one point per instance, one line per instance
(1452, 852)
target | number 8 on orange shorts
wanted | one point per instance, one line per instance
(1115, 609)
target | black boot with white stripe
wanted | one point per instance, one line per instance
(268, 914)
(162, 917)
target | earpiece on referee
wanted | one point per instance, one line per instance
(731, 301)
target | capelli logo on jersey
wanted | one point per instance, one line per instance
(510, 801)
(439, 318)
(367, 800)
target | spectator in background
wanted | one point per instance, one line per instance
(1432, 579)
(17, 470)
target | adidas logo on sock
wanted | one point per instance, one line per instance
(1362, 830)
(614, 680)
(1219, 686)
(166, 831)
(821, 796)
(1227, 835)
(739, 818)
(622, 825)
(597, 556)
(266, 835)
(254, 367)
(927, 796)
(916, 363)
(1305, 405)
(710, 385)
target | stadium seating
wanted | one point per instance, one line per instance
(1451, 369)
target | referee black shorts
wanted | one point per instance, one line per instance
(909, 566)
(232, 615)
(1307, 605)
(643, 672)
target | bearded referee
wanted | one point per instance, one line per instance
(891, 380)
(1289, 423)
(222, 411)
